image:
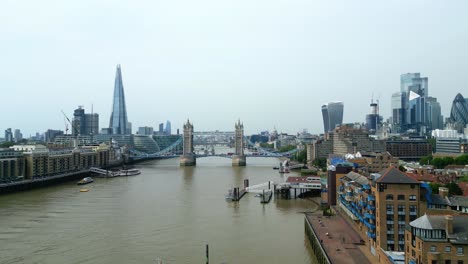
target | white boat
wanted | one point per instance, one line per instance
(130, 172)
(85, 181)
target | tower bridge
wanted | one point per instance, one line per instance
(189, 155)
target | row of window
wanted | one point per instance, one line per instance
(401, 208)
(400, 197)
(448, 249)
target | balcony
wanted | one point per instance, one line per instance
(370, 207)
(371, 235)
(370, 197)
(371, 216)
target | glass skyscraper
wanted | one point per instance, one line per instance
(118, 120)
(459, 113)
(332, 115)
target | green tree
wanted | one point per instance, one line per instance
(426, 160)
(301, 156)
(463, 179)
(6, 144)
(432, 141)
(462, 160)
(435, 187)
(320, 162)
(287, 148)
(454, 189)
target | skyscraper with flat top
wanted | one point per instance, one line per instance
(118, 119)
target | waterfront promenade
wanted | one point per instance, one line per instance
(341, 243)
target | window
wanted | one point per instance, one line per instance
(401, 197)
(448, 261)
(401, 218)
(434, 262)
(412, 197)
(433, 249)
(448, 249)
(389, 197)
(460, 262)
(459, 250)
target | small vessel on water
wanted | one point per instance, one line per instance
(130, 172)
(85, 181)
(283, 170)
(84, 190)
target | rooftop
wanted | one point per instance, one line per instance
(393, 175)
(431, 222)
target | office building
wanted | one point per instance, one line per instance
(332, 115)
(118, 120)
(459, 113)
(398, 105)
(161, 128)
(373, 119)
(84, 124)
(168, 128)
(412, 149)
(412, 108)
(348, 139)
(50, 135)
(8, 135)
(18, 135)
(146, 131)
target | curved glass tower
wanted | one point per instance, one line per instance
(459, 112)
(332, 115)
(118, 119)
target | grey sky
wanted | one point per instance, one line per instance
(269, 63)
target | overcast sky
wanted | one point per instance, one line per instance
(271, 63)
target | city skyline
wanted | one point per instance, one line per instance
(215, 66)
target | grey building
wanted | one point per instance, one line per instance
(146, 131)
(168, 130)
(18, 135)
(50, 135)
(398, 105)
(85, 124)
(161, 128)
(332, 115)
(118, 120)
(8, 135)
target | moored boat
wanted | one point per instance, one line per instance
(130, 172)
(85, 181)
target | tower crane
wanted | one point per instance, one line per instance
(75, 130)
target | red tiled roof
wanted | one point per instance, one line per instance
(464, 187)
(393, 175)
(426, 177)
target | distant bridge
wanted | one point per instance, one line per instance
(240, 143)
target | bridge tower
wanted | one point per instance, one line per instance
(238, 159)
(188, 157)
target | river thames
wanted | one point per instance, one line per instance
(167, 211)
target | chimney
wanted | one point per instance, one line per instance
(444, 192)
(449, 224)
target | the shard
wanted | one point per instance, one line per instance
(118, 120)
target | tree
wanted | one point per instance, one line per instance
(435, 187)
(462, 160)
(320, 162)
(301, 156)
(454, 189)
(426, 160)
(432, 141)
(6, 144)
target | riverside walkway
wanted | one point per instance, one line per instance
(338, 239)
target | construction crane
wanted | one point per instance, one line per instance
(66, 126)
(75, 130)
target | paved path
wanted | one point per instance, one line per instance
(340, 240)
